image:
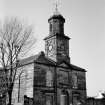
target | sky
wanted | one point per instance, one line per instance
(85, 25)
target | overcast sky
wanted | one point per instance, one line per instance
(85, 25)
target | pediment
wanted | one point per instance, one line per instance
(65, 65)
(44, 60)
(39, 58)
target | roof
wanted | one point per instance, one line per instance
(41, 58)
(72, 66)
(57, 15)
(77, 68)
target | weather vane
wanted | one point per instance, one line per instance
(56, 5)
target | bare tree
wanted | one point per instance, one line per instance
(15, 40)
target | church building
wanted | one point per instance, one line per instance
(49, 78)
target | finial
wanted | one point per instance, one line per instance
(56, 7)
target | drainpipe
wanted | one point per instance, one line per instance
(55, 85)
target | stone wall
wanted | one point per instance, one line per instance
(74, 83)
(94, 101)
(43, 84)
(71, 85)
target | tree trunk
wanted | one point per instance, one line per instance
(10, 97)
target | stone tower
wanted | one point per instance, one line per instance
(57, 43)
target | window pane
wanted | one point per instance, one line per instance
(49, 78)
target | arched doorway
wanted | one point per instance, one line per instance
(64, 98)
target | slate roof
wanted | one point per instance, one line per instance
(41, 58)
(72, 66)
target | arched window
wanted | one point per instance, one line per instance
(75, 81)
(64, 98)
(49, 78)
(50, 27)
(76, 98)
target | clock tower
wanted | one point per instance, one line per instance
(57, 43)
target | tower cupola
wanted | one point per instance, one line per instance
(56, 23)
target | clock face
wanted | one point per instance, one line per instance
(50, 47)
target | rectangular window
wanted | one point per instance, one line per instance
(50, 27)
